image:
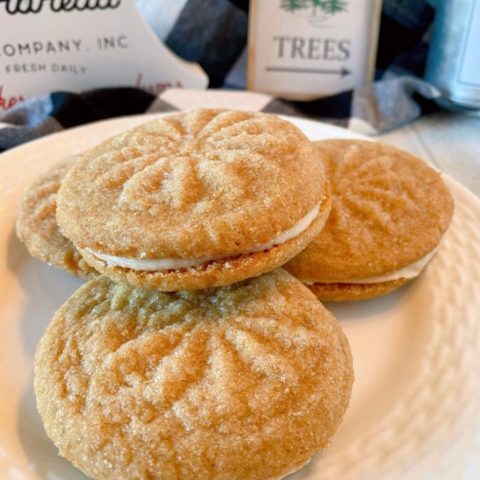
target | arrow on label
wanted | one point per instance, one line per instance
(342, 72)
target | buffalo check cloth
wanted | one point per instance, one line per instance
(213, 33)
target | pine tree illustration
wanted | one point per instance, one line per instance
(292, 5)
(333, 6)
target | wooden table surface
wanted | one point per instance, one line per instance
(450, 141)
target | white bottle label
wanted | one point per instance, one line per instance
(74, 45)
(311, 47)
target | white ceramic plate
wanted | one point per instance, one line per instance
(415, 410)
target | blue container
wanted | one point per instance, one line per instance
(453, 64)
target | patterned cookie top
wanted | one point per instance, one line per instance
(389, 209)
(204, 183)
(37, 224)
(245, 381)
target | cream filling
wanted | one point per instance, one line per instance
(161, 264)
(408, 272)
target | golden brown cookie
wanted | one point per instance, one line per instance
(195, 200)
(389, 213)
(37, 225)
(242, 382)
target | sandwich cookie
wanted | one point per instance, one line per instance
(37, 224)
(243, 382)
(389, 213)
(195, 200)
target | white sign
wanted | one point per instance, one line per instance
(74, 45)
(305, 48)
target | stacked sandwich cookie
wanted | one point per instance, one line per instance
(195, 200)
(190, 354)
(37, 224)
(389, 214)
(246, 381)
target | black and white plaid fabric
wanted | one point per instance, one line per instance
(213, 33)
